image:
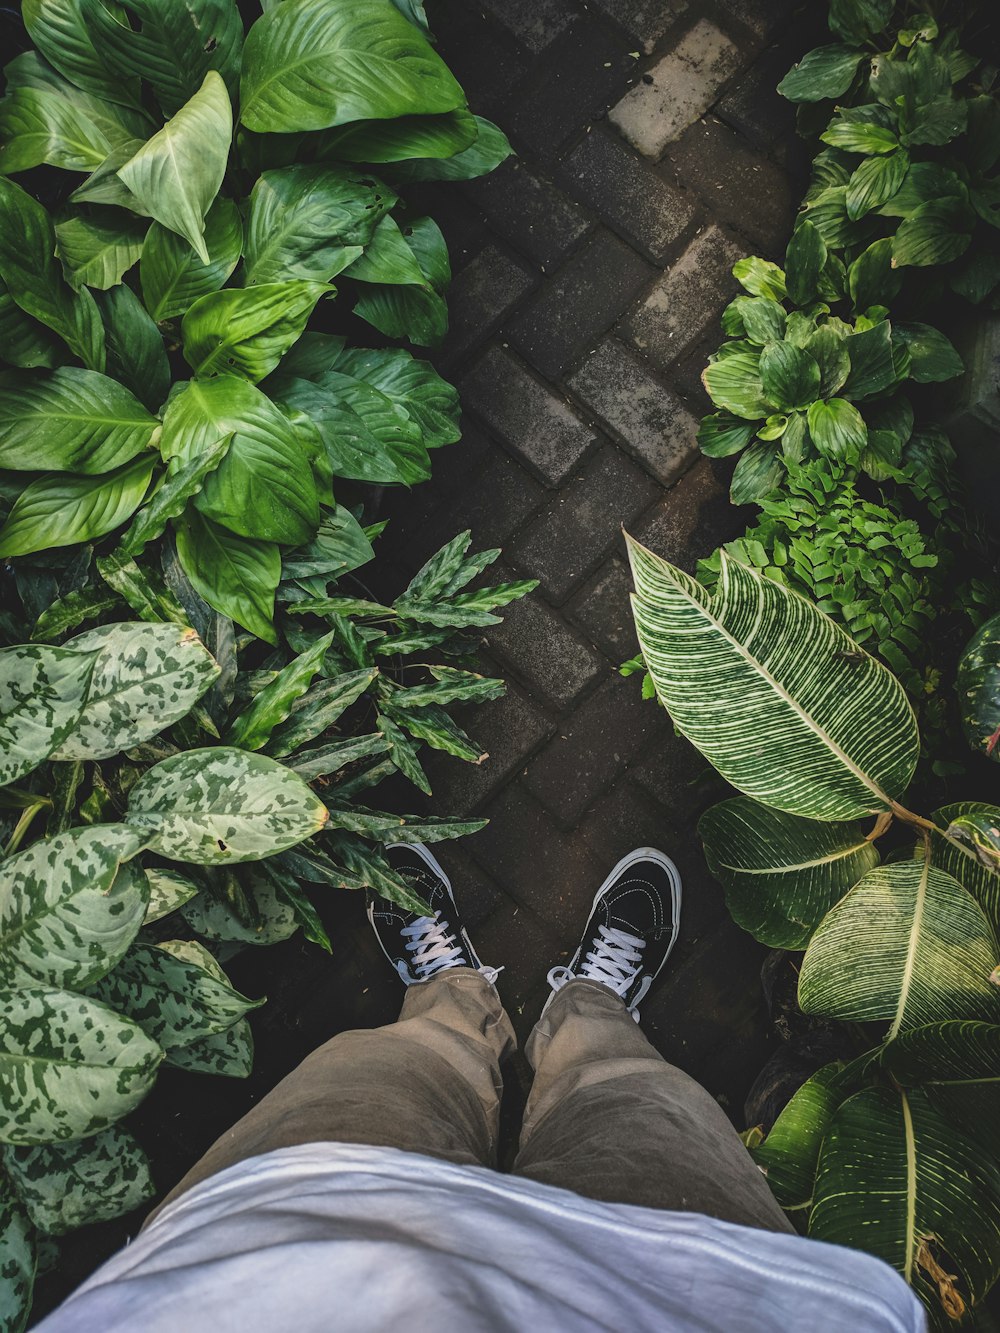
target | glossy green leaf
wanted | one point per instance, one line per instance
(837, 428)
(825, 72)
(319, 710)
(23, 341)
(790, 376)
(957, 1064)
(214, 920)
(70, 1067)
(485, 154)
(177, 174)
(62, 33)
(859, 136)
(63, 509)
(339, 546)
(136, 354)
(789, 1154)
(253, 728)
(431, 138)
(36, 126)
(760, 277)
(932, 356)
(235, 575)
(759, 472)
(173, 277)
(734, 383)
(875, 181)
(873, 370)
(223, 805)
(720, 435)
(935, 233)
(871, 278)
(247, 330)
(98, 249)
(171, 498)
(804, 260)
(406, 310)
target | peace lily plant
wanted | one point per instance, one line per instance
(896, 1151)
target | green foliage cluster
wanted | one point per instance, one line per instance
(895, 1152)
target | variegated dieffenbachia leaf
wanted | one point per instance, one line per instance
(69, 907)
(175, 991)
(42, 693)
(214, 919)
(168, 890)
(223, 805)
(68, 1185)
(147, 676)
(17, 1261)
(228, 1053)
(69, 1066)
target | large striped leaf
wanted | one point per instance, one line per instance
(962, 859)
(958, 1065)
(896, 1179)
(785, 704)
(789, 1154)
(69, 1067)
(781, 874)
(907, 946)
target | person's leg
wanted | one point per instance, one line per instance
(429, 1083)
(607, 1116)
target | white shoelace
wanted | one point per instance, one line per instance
(434, 947)
(613, 961)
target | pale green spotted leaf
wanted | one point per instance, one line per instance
(42, 693)
(247, 330)
(66, 913)
(168, 890)
(172, 275)
(228, 1054)
(213, 919)
(772, 691)
(146, 678)
(223, 805)
(781, 874)
(68, 1185)
(17, 1261)
(907, 946)
(176, 992)
(69, 1067)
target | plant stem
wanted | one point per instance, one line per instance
(22, 826)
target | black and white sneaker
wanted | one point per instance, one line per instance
(419, 947)
(632, 928)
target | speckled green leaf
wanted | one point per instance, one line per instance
(17, 1261)
(69, 1067)
(42, 691)
(223, 805)
(69, 1185)
(272, 705)
(228, 1053)
(168, 890)
(147, 677)
(176, 992)
(66, 913)
(214, 919)
(978, 689)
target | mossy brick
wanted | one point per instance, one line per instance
(629, 194)
(526, 209)
(740, 186)
(486, 290)
(568, 538)
(537, 645)
(645, 20)
(690, 520)
(650, 420)
(688, 298)
(590, 749)
(677, 90)
(534, 421)
(579, 303)
(601, 610)
(534, 23)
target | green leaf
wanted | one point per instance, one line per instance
(222, 805)
(70, 420)
(17, 1261)
(759, 472)
(70, 907)
(120, 125)
(97, 249)
(34, 280)
(837, 428)
(60, 30)
(168, 891)
(871, 278)
(42, 692)
(804, 260)
(925, 181)
(62, 509)
(309, 223)
(23, 341)
(800, 685)
(312, 64)
(323, 760)
(235, 575)
(734, 383)
(175, 992)
(65, 1186)
(36, 126)
(411, 384)
(406, 137)
(781, 874)
(301, 904)
(339, 546)
(214, 919)
(247, 330)
(825, 72)
(721, 435)
(858, 136)
(403, 308)
(935, 233)
(136, 355)
(790, 376)
(932, 356)
(171, 498)
(872, 367)
(827, 346)
(319, 710)
(173, 277)
(978, 689)
(956, 1064)
(252, 729)
(143, 589)
(789, 1154)
(484, 155)
(70, 1067)
(900, 1182)
(875, 181)
(67, 612)
(264, 487)
(146, 678)
(228, 1053)
(760, 277)
(908, 945)
(858, 20)
(177, 173)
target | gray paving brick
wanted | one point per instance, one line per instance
(564, 541)
(624, 818)
(531, 419)
(486, 62)
(477, 893)
(741, 187)
(646, 20)
(602, 611)
(518, 940)
(677, 777)
(533, 22)
(527, 210)
(590, 749)
(761, 17)
(629, 194)
(688, 298)
(487, 288)
(545, 653)
(579, 303)
(689, 521)
(682, 86)
(646, 416)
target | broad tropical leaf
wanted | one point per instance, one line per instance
(319, 710)
(235, 575)
(908, 946)
(173, 276)
(781, 874)
(36, 126)
(60, 30)
(17, 1260)
(961, 858)
(135, 352)
(789, 1154)
(490, 148)
(213, 919)
(247, 330)
(69, 1067)
(171, 498)
(413, 384)
(228, 1053)
(98, 249)
(66, 913)
(223, 805)
(958, 1066)
(62, 509)
(272, 705)
(42, 693)
(774, 694)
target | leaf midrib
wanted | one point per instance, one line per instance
(802, 865)
(909, 967)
